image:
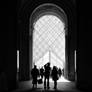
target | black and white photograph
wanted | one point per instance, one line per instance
(46, 47)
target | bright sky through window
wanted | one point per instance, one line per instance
(49, 41)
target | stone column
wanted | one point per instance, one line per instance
(24, 53)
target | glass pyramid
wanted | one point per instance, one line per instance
(49, 41)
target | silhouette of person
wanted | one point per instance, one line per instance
(63, 71)
(35, 74)
(59, 72)
(47, 75)
(42, 72)
(54, 75)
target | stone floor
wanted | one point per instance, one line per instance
(63, 86)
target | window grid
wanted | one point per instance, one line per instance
(48, 34)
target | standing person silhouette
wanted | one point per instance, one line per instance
(41, 72)
(47, 75)
(35, 74)
(59, 72)
(54, 75)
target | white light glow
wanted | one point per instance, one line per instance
(61, 79)
(75, 59)
(17, 59)
(49, 41)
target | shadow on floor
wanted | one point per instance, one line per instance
(43, 90)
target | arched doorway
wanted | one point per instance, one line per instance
(48, 28)
(27, 16)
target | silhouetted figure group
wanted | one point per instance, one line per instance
(45, 72)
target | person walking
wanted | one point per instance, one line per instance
(47, 75)
(59, 72)
(35, 74)
(41, 73)
(54, 75)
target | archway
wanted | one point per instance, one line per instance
(29, 13)
(48, 26)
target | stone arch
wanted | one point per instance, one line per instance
(23, 35)
(52, 9)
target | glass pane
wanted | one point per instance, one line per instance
(49, 41)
